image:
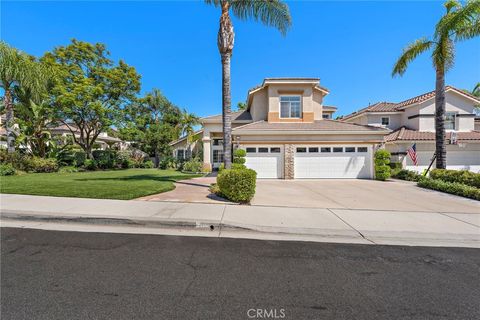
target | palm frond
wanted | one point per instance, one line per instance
(443, 55)
(410, 53)
(459, 20)
(274, 13)
(469, 31)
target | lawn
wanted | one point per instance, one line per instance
(114, 184)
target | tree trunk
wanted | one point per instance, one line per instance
(10, 121)
(225, 46)
(440, 146)
(157, 158)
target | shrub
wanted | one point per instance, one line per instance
(460, 176)
(36, 164)
(7, 169)
(192, 165)
(407, 175)
(148, 164)
(221, 168)
(237, 185)
(80, 157)
(16, 159)
(456, 188)
(382, 168)
(238, 166)
(215, 189)
(90, 164)
(105, 159)
(395, 165)
(239, 156)
(68, 169)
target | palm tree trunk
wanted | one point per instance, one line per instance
(440, 146)
(225, 41)
(9, 121)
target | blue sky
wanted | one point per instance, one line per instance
(350, 46)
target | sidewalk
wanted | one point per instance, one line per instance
(236, 221)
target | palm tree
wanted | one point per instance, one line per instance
(271, 13)
(17, 70)
(476, 90)
(459, 23)
(188, 121)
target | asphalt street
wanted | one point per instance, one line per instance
(73, 275)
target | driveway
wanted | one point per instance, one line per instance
(358, 194)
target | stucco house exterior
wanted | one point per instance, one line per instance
(288, 133)
(413, 121)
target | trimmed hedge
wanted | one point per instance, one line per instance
(459, 176)
(237, 185)
(239, 156)
(382, 168)
(407, 175)
(36, 164)
(451, 187)
(6, 169)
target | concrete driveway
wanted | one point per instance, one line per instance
(358, 194)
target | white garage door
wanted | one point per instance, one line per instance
(456, 160)
(267, 161)
(333, 161)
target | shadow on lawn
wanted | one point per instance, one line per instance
(138, 177)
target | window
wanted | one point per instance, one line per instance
(263, 150)
(325, 116)
(217, 142)
(326, 149)
(290, 107)
(337, 149)
(301, 150)
(275, 150)
(349, 149)
(251, 150)
(450, 118)
(217, 156)
(362, 149)
(180, 154)
(385, 121)
(314, 149)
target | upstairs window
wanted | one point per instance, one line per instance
(325, 116)
(385, 121)
(450, 120)
(290, 107)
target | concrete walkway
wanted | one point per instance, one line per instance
(456, 229)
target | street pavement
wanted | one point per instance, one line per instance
(73, 275)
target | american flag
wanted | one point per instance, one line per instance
(412, 152)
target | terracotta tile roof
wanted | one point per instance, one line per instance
(319, 125)
(242, 115)
(406, 134)
(430, 95)
(376, 107)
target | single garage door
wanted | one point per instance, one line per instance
(267, 161)
(333, 161)
(456, 160)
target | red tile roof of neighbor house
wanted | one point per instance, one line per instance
(406, 134)
(319, 125)
(393, 107)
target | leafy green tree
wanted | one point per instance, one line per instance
(476, 90)
(241, 106)
(188, 121)
(459, 23)
(92, 91)
(273, 13)
(18, 71)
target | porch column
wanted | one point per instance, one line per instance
(207, 165)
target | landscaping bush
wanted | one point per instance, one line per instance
(68, 169)
(407, 175)
(237, 185)
(90, 164)
(459, 176)
(148, 164)
(395, 165)
(16, 159)
(193, 165)
(382, 168)
(105, 159)
(36, 164)
(456, 188)
(80, 157)
(167, 163)
(7, 169)
(235, 166)
(239, 156)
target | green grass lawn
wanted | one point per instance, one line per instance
(115, 184)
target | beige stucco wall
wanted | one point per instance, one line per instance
(317, 101)
(259, 107)
(320, 138)
(376, 120)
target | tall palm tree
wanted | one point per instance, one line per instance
(271, 13)
(476, 90)
(459, 23)
(17, 70)
(188, 121)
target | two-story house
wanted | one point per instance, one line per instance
(288, 133)
(413, 122)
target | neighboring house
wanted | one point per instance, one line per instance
(287, 133)
(183, 150)
(413, 121)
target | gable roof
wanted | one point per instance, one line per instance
(184, 138)
(319, 125)
(237, 116)
(399, 107)
(406, 134)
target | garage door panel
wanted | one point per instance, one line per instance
(268, 165)
(456, 160)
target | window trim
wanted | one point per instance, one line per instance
(385, 117)
(265, 150)
(276, 148)
(455, 114)
(363, 148)
(290, 108)
(254, 148)
(352, 149)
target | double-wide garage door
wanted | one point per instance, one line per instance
(332, 161)
(312, 162)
